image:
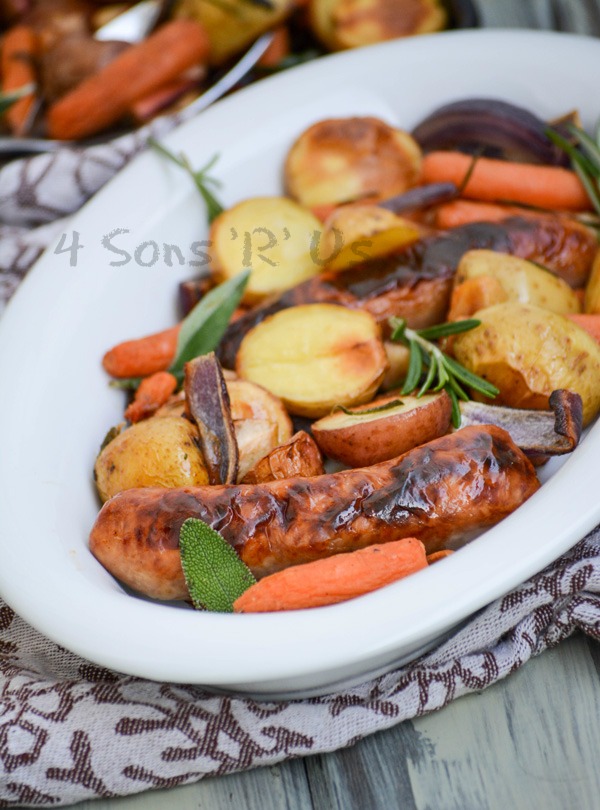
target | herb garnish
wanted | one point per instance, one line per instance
(585, 160)
(214, 573)
(201, 178)
(443, 372)
(202, 329)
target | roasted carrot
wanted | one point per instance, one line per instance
(591, 324)
(474, 294)
(19, 51)
(438, 555)
(334, 579)
(502, 180)
(464, 212)
(278, 49)
(152, 394)
(107, 96)
(144, 356)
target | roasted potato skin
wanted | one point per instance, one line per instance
(159, 452)
(529, 352)
(315, 357)
(298, 457)
(339, 160)
(251, 401)
(521, 280)
(233, 26)
(361, 441)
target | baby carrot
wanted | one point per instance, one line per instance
(591, 324)
(464, 212)
(152, 394)
(107, 96)
(144, 356)
(19, 49)
(497, 180)
(334, 579)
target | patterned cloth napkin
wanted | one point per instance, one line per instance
(71, 731)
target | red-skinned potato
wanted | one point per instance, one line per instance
(300, 456)
(366, 437)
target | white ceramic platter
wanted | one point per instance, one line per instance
(56, 404)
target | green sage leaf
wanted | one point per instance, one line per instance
(202, 330)
(214, 573)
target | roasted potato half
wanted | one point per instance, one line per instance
(233, 25)
(398, 357)
(314, 357)
(358, 233)
(251, 401)
(153, 453)
(343, 24)
(591, 301)
(382, 430)
(300, 456)
(255, 439)
(273, 236)
(528, 352)
(521, 280)
(341, 160)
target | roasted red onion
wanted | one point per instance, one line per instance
(420, 197)
(490, 127)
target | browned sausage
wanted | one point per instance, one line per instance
(441, 492)
(416, 283)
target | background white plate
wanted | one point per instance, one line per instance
(56, 405)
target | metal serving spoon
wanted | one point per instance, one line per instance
(30, 146)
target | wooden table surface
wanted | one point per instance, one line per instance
(531, 741)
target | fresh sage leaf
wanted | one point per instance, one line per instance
(214, 573)
(201, 331)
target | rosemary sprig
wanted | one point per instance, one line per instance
(443, 372)
(201, 178)
(584, 153)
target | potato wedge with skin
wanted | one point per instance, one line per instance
(274, 237)
(521, 280)
(591, 301)
(354, 234)
(314, 357)
(528, 352)
(255, 439)
(364, 22)
(398, 357)
(366, 437)
(300, 456)
(161, 452)
(340, 160)
(251, 401)
(234, 25)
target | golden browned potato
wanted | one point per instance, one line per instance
(591, 301)
(374, 433)
(355, 23)
(255, 439)
(300, 456)
(232, 25)
(251, 401)
(153, 453)
(341, 160)
(521, 280)
(273, 236)
(353, 234)
(528, 352)
(398, 357)
(314, 357)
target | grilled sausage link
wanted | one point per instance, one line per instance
(441, 492)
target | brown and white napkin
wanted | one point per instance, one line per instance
(71, 731)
